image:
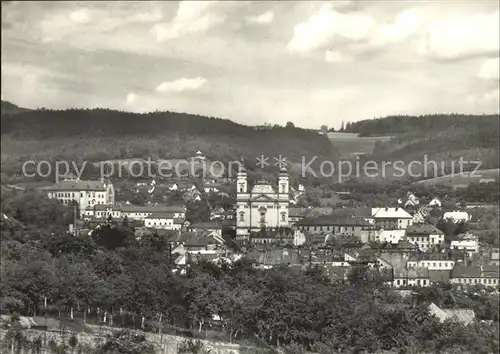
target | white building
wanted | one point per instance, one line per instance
(389, 236)
(457, 216)
(435, 202)
(86, 194)
(424, 236)
(411, 200)
(133, 212)
(391, 218)
(199, 156)
(472, 275)
(262, 206)
(411, 277)
(436, 261)
(166, 221)
(469, 243)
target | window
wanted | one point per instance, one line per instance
(397, 282)
(242, 216)
(242, 187)
(262, 216)
(283, 188)
(283, 216)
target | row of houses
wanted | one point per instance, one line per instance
(398, 265)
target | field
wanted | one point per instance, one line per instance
(348, 145)
(463, 179)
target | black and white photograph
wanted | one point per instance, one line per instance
(247, 177)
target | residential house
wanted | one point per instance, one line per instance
(435, 203)
(467, 242)
(391, 236)
(217, 214)
(133, 212)
(206, 227)
(411, 201)
(410, 277)
(163, 220)
(494, 257)
(191, 246)
(391, 218)
(457, 216)
(424, 236)
(475, 275)
(199, 156)
(432, 261)
(347, 226)
(273, 236)
(297, 214)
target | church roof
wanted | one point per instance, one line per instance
(262, 187)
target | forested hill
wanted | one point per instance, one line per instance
(395, 125)
(108, 133)
(10, 108)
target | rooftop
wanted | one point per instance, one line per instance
(161, 215)
(466, 272)
(390, 213)
(69, 185)
(333, 220)
(422, 229)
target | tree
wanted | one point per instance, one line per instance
(289, 125)
(73, 342)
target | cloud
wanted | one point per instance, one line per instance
(492, 96)
(182, 85)
(265, 18)
(80, 16)
(332, 56)
(329, 25)
(490, 70)
(191, 17)
(355, 32)
(406, 24)
(462, 37)
(131, 98)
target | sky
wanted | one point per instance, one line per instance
(311, 63)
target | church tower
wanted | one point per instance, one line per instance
(242, 182)
(283, 183)
(243, 212)
(283, 198)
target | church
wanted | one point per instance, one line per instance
(262, 206)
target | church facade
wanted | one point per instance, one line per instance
(261, 206)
